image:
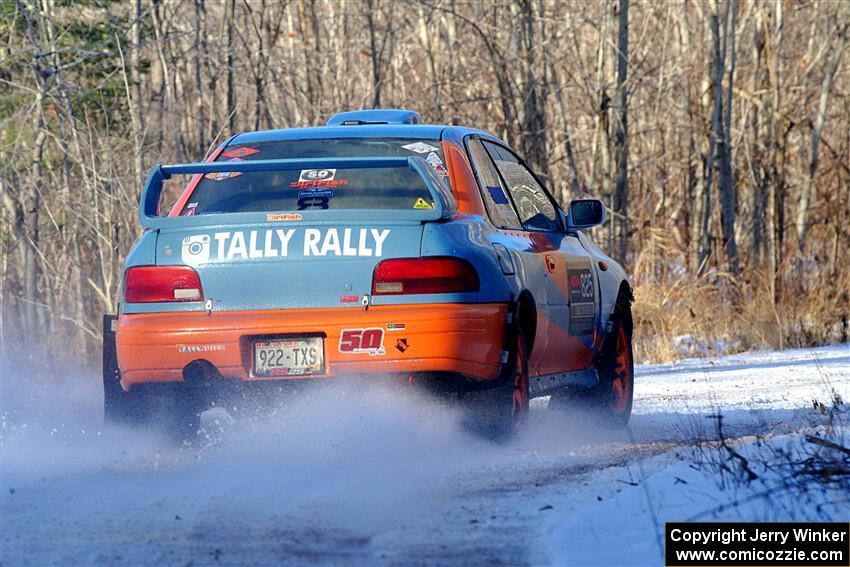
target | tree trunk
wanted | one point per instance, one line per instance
(776, 149)
(200, 124)
(726, 182)
(425, 23)
(576, 184)
(601, 151)
(138, 110)
(760, 119)
(621, 135)
(170, 88)
(229, 11)
(375, 56)
(532, 116)
(817, 128)
(716, 134)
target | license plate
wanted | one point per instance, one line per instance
(289, 356)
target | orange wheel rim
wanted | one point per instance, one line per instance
(520, 397)
(622, 385)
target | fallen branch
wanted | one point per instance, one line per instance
(828, 444)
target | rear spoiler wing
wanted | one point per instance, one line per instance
(444, 202)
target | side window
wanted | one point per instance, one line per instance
(495, 198)
(535, 209)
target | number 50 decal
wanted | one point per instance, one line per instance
(369, 341)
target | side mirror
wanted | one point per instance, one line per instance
(585, 213)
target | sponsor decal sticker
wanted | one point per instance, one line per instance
(318, 183)
(196, 249)
(283, 217)
(316, 193)
(497, 194)
(349, 299)
(277, 243)
(359, 341)
(200, 348)
(420, 148)
(401, 345)
(582, 299)
(422, 204)
(308, 175)
(305, 203)
(222, 175)
(391, 327)
(370, 242)
(240, 152)
(436, 163)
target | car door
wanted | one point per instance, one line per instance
(563, 269)
(521, 254)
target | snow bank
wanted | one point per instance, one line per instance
(619, 518)
(626, 525)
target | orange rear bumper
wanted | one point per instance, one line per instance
(461, 338)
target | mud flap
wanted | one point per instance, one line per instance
(110, 356)
(113, 393)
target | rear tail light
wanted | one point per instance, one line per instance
(147, 284)
(424, 275)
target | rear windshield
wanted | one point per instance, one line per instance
(298, 190)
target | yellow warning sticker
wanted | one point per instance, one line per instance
(422, 204)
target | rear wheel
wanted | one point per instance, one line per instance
(498, 412)
(170, 409)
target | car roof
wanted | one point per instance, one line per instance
(409, 131)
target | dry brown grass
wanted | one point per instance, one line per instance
(679, 314)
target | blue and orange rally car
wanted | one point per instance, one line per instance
(373, 245)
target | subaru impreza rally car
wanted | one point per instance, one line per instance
(371, 246)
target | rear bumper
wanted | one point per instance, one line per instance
(465, 339)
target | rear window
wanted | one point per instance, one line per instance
(298, 190)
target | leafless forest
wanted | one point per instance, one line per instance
(717, 132)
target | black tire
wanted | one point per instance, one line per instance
(170, 409)
(609, 404)
(498, 412)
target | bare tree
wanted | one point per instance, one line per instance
(137, 105)
(709, 128)
(230, 8)
(621, 134)
(532, 119)
(837, 51)
(374, 54)
(726, 181)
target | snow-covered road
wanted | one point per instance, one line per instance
(348, 474)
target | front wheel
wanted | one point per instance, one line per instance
(610, 402)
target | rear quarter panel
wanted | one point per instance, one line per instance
(470, 237)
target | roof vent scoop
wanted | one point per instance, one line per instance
(377, 116)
